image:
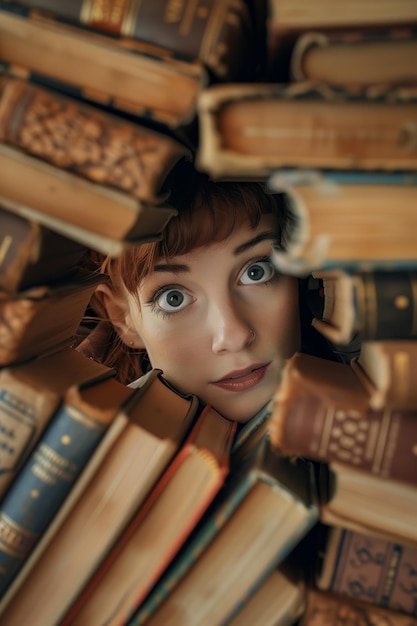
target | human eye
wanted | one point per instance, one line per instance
(260, 271)
(169, 300)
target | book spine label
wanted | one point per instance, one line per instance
(386, 304)
(42, 485)
(376, 571)
(381, 442)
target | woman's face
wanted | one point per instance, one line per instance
(220, 321)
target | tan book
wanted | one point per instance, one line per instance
(345, 221)
(298, 14)
(358, 57)
(43, 319)
(30, 394)
(152, 426)
(330, 609)
(143, 84)
(250, 130)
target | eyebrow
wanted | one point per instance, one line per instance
(268, 234)
(179, 268)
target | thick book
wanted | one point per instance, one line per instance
(250, 130)
(378, 304)
(265, 508)
(345, 220)
(357, 500)
(278, 601)
(81, 139)
(303, 14)
(43, 319)
(388, 369)
(357, 56)
(31, 254)
(150, 85)
(370, 569)
(30, 394)
(321, 411)
(152, 426)
(53, 467)
(160, 527)
(218, 32)
(330, 609)
(64, 196)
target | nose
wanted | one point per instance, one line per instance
(231, 331)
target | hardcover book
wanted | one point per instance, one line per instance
(262, 512)
(250, 130)
(151, 428)
(160, 526)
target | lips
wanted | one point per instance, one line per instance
(242, 380)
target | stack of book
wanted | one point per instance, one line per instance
(141, 506)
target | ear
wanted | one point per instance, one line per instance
(118, 312)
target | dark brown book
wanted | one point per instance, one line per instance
(388, 369)
(43, 319)
(380, 305)
(145, 84)
(330, 609)
(31, 254)
(357, 56)
(322, 411)
(218, 32)
(250, 130)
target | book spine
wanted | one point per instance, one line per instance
(380, 442)
(211, 30)
(371, 569)
(42, 485)
(386, 304)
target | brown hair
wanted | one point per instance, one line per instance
(208, 212)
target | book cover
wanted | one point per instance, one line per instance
(265, 508)
(160, 526)
(149, 85)
(45, 318)
(31, 254)
(152, 426)
(53, 467)
(321, 411)
(250, 130)
(30, 393)
(368, 568)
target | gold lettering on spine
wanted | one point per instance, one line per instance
(173, 11)
(131, 17)
(188, 18)
(14, 540)
(114, 14)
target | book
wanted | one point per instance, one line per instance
(330, 609)
(250, 130)
(377, 304)
(77, 202)
(321, 411)
(53, 466)
(302, 14)
(43, 319)
(31, 254)
(30, 394)
(160, 526)
(81, 139)
(151, 428)
(278, 601)
(345, 220)
(370, 569)
(150, 85)
(388, 370)
(218, 32)
(356, 56)
(265, 508)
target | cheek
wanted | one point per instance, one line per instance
(281, 318)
